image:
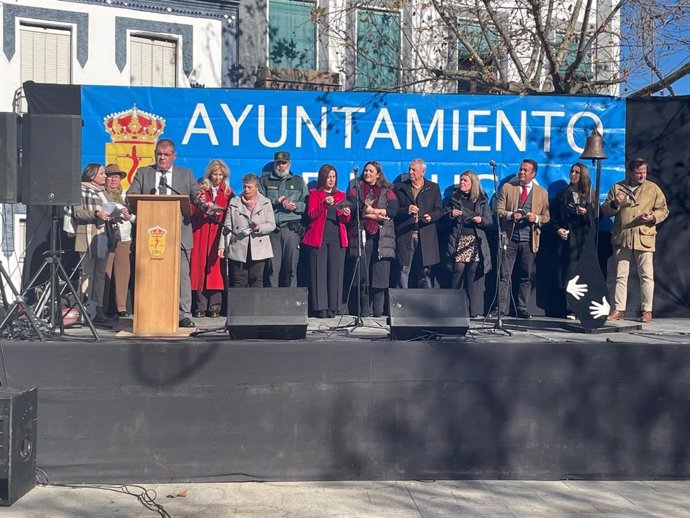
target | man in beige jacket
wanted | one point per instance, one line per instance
(638, 206)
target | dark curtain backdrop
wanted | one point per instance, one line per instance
(658, 129)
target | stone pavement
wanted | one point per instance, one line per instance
(396, 499)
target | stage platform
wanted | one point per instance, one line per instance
(350, 404)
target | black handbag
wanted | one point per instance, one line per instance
(112, 230)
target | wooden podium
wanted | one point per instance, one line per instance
(157, 263)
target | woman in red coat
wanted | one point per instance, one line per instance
(327, 241)
(207, 276)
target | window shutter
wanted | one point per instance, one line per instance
(153, 62)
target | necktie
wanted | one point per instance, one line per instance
(523, 195)
(163, 184)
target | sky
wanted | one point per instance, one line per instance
(673, 33)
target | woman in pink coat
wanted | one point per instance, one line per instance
(326, 238)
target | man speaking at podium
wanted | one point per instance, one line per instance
(164, 178)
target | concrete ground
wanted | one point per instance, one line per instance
(413, 499)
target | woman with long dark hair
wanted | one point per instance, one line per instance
(326, 237)
(572, 215)
(467, 253)
(377, 204)
(91, 240)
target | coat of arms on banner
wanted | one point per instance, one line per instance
(133, 135)
(157, 241)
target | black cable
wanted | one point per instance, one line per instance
(147, 497)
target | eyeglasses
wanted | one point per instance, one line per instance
(161, 153)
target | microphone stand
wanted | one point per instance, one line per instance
(499, 258)
(357, 270)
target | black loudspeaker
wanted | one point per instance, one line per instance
(51, 160)
(271, 313)
(416, 313)
(9, 156)
(17, 443)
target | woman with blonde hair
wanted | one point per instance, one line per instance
(206, 272)
(467, 253)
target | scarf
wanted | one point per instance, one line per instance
(92, 198)
(373, 192)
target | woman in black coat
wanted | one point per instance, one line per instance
(572, 213)
(377, 204)
(467, 253)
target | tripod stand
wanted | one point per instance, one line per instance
(57, 272)
(498, 326)
(18, 307)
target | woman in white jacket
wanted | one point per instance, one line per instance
(248, 222)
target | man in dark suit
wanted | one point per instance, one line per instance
(415, 226)
(523, 207)
(164, 178)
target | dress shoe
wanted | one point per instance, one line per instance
(322, 314)
(100, 316)
(187, 322)
(646, 316)
(212, 314)
(199, 314)
(616, 315)
(522, 313)
(122, 314)
(331, 313)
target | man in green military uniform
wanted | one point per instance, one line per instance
(288, 194)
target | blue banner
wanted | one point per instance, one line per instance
(452, 133)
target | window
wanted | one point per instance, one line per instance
(46, 56)
(152, 62)
(482, 43)
(378, 50)
(291, 34)
(584, 69)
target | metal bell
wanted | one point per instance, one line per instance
(594, 147)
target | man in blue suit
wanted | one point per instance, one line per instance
(165, 178)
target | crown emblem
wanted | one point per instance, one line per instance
(157, 231)
(134, 126)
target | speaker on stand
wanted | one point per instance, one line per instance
(51, 164)
(10, 127)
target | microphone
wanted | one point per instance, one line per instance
(492, 163)
(164, 183)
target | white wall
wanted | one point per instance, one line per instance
(101, 68)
